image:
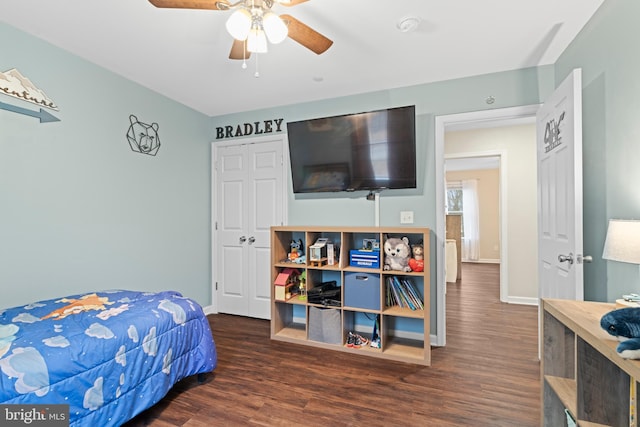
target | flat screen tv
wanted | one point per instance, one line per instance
(365, 151)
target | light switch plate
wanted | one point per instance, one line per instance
(406, 217)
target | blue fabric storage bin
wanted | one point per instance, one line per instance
(362, 290)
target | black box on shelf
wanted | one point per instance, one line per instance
(327, 293)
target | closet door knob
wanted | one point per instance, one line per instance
(566, 258)
(252, 239)
(243, 239)
(584, 259)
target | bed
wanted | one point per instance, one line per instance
(107, 355)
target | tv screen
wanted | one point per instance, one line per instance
(364, 151)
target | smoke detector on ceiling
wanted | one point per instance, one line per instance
(408, 24)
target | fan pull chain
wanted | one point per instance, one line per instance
(244, 55)
(257, 73)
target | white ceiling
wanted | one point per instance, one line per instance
(183, 54)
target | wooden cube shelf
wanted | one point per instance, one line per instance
(404, 332)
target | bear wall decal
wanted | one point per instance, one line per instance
(143, 138)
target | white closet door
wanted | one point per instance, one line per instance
(249, 200)
(230, 269)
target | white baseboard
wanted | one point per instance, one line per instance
(434, 341)
(209, 310)
(483, 261)
(523, 300)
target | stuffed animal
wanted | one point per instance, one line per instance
(624, 324)
(417, 262)
(396, 254)
(297, 250)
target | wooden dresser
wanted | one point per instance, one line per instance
(582, 375)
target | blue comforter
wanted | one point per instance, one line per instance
(108, 355)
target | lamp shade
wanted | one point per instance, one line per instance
(623, 241)
(239, 24)
(275, 28)
(256, 41)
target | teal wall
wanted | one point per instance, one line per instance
(607, 52)
(513, 88)
(79, 211)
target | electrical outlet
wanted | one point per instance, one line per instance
(406, 217)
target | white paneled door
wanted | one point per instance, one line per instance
(248, 200)
(559, 146)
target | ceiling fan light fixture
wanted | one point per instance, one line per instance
(239, 24)
(257, 41)
(275, 28)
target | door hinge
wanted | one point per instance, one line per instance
(216, 286)
(215, 226)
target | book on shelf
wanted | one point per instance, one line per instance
(402, 292)
(413, 293)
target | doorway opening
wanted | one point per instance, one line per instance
(467, 121)
(473, 211)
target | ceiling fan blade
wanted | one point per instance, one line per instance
(238, 50)
(306, 36)
(192, 4)
(291, 2)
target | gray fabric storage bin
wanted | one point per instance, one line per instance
(324, 325)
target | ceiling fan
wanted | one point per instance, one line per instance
(253, 22)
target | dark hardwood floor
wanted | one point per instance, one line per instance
(486, 375)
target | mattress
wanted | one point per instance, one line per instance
(107, 355)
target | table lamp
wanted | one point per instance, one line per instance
(623, 241)
(623, 245)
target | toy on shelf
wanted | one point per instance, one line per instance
(370, 245)
(296, 254)
(318, 252)
(368, 256)
(286, 283)
(302, 286)
(417, 262)
(375, 336)
(397, 253)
